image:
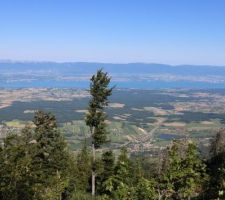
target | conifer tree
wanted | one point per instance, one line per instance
(185, 174)
(216, 168)
(16, 166)
(95, 118)
(51, 157)
(35, 164)
(193, 173)
(218, 144)
(123, 167)
(108, 162)
(145, 190)
(83, 170)
(120, 181)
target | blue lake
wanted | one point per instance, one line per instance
(127, 84)
(169, 136)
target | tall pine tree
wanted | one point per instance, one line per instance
(95, 118)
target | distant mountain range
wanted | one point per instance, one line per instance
(149, 75)
(130, 68)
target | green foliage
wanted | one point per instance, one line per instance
(194, 171)
(137, 170)
(108, 165)
(186, 172)
(83, 170)
(81, 196)
(216, 168)
(124, 192)
(95, 118)
(50, 174)
(34, 164)
(15, 169)
(117, 178)
(123, 167)
(218, 144)
(146, 190)
(16, 166)
(108, 160)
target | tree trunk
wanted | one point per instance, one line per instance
(93, 171)
(159, 195)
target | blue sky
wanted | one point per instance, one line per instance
(118, 31)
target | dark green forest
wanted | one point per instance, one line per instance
(37, 163)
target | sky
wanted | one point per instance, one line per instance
(115, 31)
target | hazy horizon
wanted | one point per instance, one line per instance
(123, 63)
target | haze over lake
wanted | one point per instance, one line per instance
(132, 75)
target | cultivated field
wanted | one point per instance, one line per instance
(141, 120)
